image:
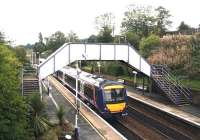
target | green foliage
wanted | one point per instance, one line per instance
(13, 109)
(105, 36)
(162, 20)
(21, 54)
(191, 83)
(2, 38)
(195, 60)
(105, 24)
(133, 39)
(60, 115)
(149, 44)
(139, 20)
(92, 39)
(113, 68)
(38, 120)
(55, 41)
(183, 27)
(72, 37)
(39, 46)
(105, 20)
(143, 22)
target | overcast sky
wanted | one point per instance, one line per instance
(22, 20)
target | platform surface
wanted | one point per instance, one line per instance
(86, 131)
(187, 113)
(97, 124)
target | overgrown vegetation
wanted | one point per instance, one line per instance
(13, 108)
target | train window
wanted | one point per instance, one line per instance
(71, 81)
(120, 94)
(107, 96)
(66, 79)
(79, 85)
(114, 95)
(88, 91)
(60, 74)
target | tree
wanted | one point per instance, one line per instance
(72, 37)
(38, 121)
(2, 38)
(20, 53)
(105, 20)
(149, 44)
(55, 41)
(39, 46)
(133, 39)
(105, 25)
(183, 27)
(162, 20)
(13, 109)
(194, 70)
(92, 39)
(138, 20)
(105, 36)
(60, 115)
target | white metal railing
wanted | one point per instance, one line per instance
(71, 52)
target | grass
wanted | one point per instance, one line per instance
(191, 83)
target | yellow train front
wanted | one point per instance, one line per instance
(114, 99)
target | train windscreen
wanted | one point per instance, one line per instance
(114, 95)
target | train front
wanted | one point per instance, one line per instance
(115, 99)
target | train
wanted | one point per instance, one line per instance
(108, 97)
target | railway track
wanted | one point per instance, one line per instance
(162, 123)
(145, 122)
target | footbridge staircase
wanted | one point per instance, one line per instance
(71, 52)
(173, 89)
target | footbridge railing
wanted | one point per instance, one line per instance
(71, 52)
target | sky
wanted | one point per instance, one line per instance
(22, 20)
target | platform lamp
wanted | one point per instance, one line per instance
(78, 71)
(135, 74)
(76, 133)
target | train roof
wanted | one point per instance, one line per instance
(90, 78)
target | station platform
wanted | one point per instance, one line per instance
(187, 113)
(91, 125)
(53, 101)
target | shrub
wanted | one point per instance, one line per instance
(173, 41)
(149, 44)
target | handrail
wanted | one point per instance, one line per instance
(165, 71)
(168, 80)
(180, 86)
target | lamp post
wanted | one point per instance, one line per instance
(78, 71)
(135, 74)
(38, 54)
(76, 134)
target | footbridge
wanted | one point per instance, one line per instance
(71, 52)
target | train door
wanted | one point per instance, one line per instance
(99, 99)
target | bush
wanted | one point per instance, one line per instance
(174, 41)
(133, 39)
(149, 44)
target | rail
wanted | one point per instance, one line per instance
(169, 77)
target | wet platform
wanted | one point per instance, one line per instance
(91, 125)
(187, 113)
